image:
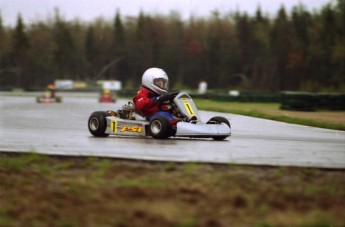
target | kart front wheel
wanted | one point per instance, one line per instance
(219, 120)
(97, 123)
(160, 127)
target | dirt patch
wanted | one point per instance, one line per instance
(40, 190)
(334, 117)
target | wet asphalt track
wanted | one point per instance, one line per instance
(62, 129)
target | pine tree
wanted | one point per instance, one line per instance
(19, 50)
(120, 70)
(90, 52)
(65, 49)
(281, 42)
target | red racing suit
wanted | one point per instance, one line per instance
(146, 102)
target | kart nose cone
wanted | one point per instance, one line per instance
(202, 130)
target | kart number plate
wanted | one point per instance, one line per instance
(113, 126)
(188, 107)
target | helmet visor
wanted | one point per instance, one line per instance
(161, 83)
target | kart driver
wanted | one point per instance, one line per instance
(153, 98)
(51, 91)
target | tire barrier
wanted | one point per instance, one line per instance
(242, 97)
(304, 101)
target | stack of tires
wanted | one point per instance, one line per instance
(302, 101)
(305, 101)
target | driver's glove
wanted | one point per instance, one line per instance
(162, 98)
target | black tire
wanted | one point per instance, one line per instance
(160, 127)
(58, 99)
(97, 123)
(219, 120)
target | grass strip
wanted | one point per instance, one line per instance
(265, 110)
(82, 191)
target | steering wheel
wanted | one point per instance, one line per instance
(173, 95)
(171, 98)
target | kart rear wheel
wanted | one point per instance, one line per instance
(97, 123)
(160, 127)
(219, 120)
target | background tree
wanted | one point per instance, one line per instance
(281, 44)
(297, 50)
(261, 75)
(65, 53)
(4, 74)
(120, 70)
(194, 66)
(42, 59)
(19, 55)
(91, 52)
(338, 48)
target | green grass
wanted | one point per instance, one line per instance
(32, 160)
(109, 192)
(268, 111)
(39, 190)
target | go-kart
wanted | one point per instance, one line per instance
(129, 122)
(106, 97)
(48, 99)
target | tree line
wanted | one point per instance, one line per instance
(297, 50)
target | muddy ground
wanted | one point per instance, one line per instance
(37, 190)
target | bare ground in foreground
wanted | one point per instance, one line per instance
(37, 190)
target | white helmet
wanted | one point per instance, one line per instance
(156, 80)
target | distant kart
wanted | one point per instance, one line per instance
(106, 96)
(106, 99)
(128, 122)
(47, 99)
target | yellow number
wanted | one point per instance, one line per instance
(113, 126)
(189, 109)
